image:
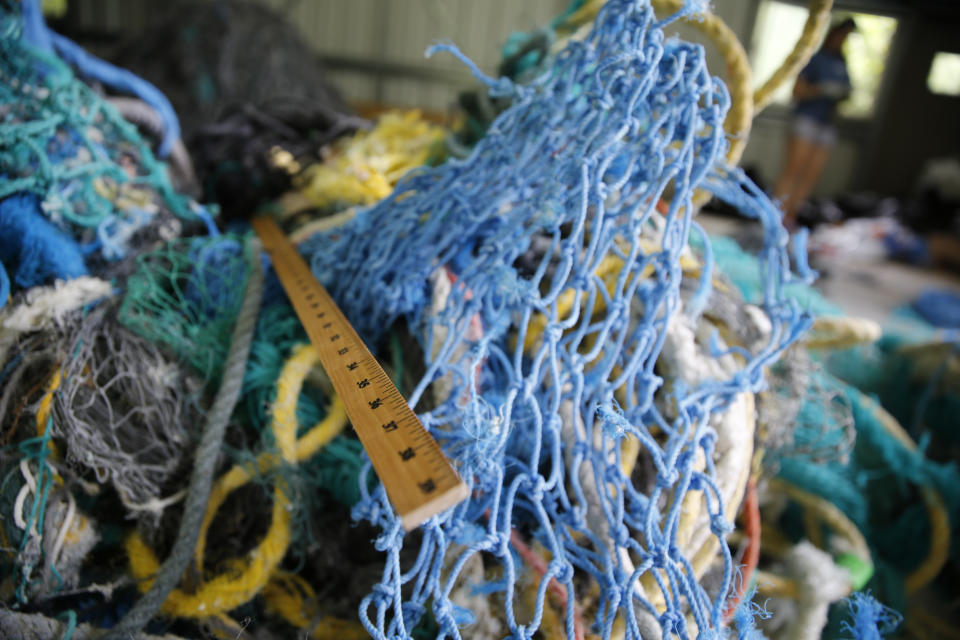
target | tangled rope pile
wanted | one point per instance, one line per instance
(548, 305)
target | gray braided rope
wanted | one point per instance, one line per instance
(201, 480)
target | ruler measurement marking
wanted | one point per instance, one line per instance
(417, 476)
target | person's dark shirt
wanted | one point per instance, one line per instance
(828, 71)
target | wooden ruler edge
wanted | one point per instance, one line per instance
(284, 255)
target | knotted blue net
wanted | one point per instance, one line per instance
(569, 374)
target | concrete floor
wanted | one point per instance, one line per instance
(861, 287)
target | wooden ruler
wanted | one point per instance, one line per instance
(417, 476)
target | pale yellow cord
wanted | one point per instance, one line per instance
(826, 512)
(840, 332)
(773, 585)
(818, 19)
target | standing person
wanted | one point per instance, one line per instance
(822, 84)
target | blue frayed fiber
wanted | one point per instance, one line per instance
(869, 620)
(34, 250)
(745, 617)
(539, 372)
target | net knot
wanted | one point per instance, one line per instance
(621, 534)
(671, 620)
(383, 592)
(660, 557)
(708, 441)
(612, 595)
(553, 333)
(494, 542)
(412, 613)
(615, 425)
(389, 540)
(613, 473)
(581, 450)
(366, 510)
(720, 526)
(536, 485)
(579, 281)
(667, 477)
(562, 570)
(617, 308)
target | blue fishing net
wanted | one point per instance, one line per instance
(542, 361)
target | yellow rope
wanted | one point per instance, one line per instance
(245, 578)
(290, 597)
(46, 406)
(939, 542)
(936, 508)
(770, 584)
(364, 168)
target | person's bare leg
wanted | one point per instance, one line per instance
(788, 176)
(816, 160)
(798, 151)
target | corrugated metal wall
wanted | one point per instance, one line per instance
(373, 51)
(374, 48)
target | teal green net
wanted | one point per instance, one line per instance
(185, 296)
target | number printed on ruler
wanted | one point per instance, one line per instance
(417, 476)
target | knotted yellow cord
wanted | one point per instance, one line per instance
(840, 332)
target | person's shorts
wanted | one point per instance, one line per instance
(813, 130)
